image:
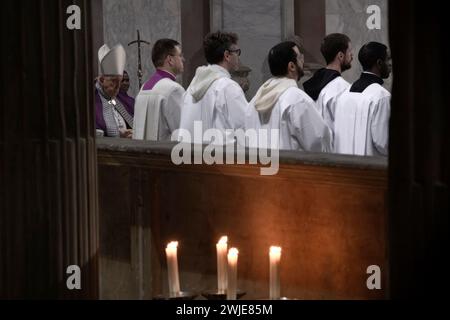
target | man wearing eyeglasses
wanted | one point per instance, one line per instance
(213, 98)
(158, 104)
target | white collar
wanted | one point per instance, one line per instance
(370, 73)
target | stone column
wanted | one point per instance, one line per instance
(310, 25)
(195, 25)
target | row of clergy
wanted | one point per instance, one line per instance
(331, 115)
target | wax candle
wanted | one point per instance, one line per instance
(222, 248)
(172, 268)
(232, 273)
(275, 256)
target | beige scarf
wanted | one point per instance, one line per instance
(205, 76)
(267, 96)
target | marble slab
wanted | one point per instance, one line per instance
(350, 17)
(154, 18)
(258, 24)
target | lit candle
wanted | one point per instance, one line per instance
(222, 248)
(232, 274)
(275, 256)
(172, 268)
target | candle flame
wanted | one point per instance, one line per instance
(275, 250)
(223, 240)
(233, 252)
(172, 245)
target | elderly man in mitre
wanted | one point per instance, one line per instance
(113, 117)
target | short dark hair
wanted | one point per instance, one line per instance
(332, 44)
(370, 53)
(215, 44)
(161, 49)
(298, 42)
(280, 56)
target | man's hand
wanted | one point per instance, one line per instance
(128, 134)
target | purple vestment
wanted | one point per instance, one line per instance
(158, 75)
(128, 103)
(126, 100)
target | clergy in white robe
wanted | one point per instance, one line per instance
(327, 84)
(279, 104)
(158, 104)
(363, 111)
(213, 98)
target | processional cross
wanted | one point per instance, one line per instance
(139, 41)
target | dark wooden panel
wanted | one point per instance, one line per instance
(419, 161)
(330, 221)
(48, 173)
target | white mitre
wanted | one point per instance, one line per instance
(111, 61)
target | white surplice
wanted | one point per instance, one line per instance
(362, 122)
(216, 100)
(157, 111)
(299, 123)
(326, 102)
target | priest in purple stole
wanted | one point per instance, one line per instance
(159, 103)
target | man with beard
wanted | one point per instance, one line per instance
(327, 83)
(280, 105)
(362, 112)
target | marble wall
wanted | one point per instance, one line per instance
(258, 25)
(350, 17)
(154, 18)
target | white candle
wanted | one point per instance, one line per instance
(275, 256)
(222, 248)
(172, 268)
(232, 274)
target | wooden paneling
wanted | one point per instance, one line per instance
(48, 209)
(331, 222)
(419, 163)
